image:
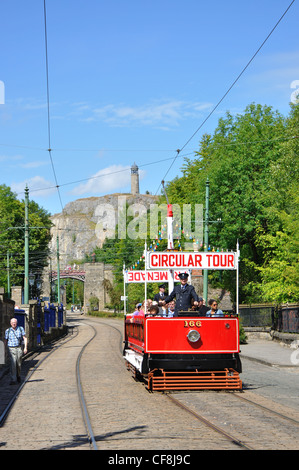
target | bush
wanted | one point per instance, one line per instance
(93, 304)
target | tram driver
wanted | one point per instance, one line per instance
(183, 294)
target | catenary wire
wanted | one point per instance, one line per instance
(227, 91)
(57, 186)
(230, 144)
(48, 104)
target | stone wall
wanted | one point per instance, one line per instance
(6, 313)
(85, 223)
(221, 295)
(94, 286)
(96, 274)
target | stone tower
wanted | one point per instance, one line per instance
(134, 179)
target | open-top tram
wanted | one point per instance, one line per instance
(184, 352)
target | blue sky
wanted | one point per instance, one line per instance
(130, 82)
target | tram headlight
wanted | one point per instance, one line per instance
(193, 336)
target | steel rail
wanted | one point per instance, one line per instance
(209, 423)
(265, 408)
(84, 409)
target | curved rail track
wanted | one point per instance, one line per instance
(33, 355)
(84, 409)
(267, 409)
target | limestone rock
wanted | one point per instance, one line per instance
(85, 223)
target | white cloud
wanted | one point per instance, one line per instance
(114, 177)
(276, 71)
(38, 187)
(156, 114)
(10, 158)
(35, 164)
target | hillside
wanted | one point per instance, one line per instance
(85, 223)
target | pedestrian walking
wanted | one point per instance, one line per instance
(14, 337)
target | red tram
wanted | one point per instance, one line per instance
(187, 352)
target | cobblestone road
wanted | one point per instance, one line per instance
(124, 415)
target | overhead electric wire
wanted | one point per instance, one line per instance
(48, 104)
(229, 144)
(57, 186)
(228, 90)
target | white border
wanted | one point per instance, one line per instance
(190, 351)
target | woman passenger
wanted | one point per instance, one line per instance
(214, 311)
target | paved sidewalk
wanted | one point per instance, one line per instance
(270, 352)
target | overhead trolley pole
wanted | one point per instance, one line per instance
(169, 237)
(206, 242)
(26, 278)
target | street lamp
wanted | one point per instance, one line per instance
(62, 288)
(38, 283)
(53, 288)
(31, 278)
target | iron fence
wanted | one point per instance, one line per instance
(288, 319)
(262, 316)
(284, 318)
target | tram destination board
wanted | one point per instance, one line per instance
(183, 260)
(152, 276)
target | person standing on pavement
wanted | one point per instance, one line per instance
(14, 336)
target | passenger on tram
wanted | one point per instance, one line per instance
(214, 311)
(168, 309)
(137, 309)
(153, 311)
(142, 310)
(139, 312)
(201, 309)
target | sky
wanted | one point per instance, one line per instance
(130, 82)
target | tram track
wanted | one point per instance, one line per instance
(208, 423)
(35, 354)
(244, 441)
(215, 411)
(267, 409)
(84, 408)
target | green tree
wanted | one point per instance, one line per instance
(237, 159)
(279, 241)
(12, 240)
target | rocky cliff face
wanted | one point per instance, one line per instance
(85, 223)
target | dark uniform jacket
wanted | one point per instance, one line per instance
(159, 298)
(183, 297)
(202, 310)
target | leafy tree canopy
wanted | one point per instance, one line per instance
(12, 237)
(251, 162)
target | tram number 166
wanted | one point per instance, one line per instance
(192, 323)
